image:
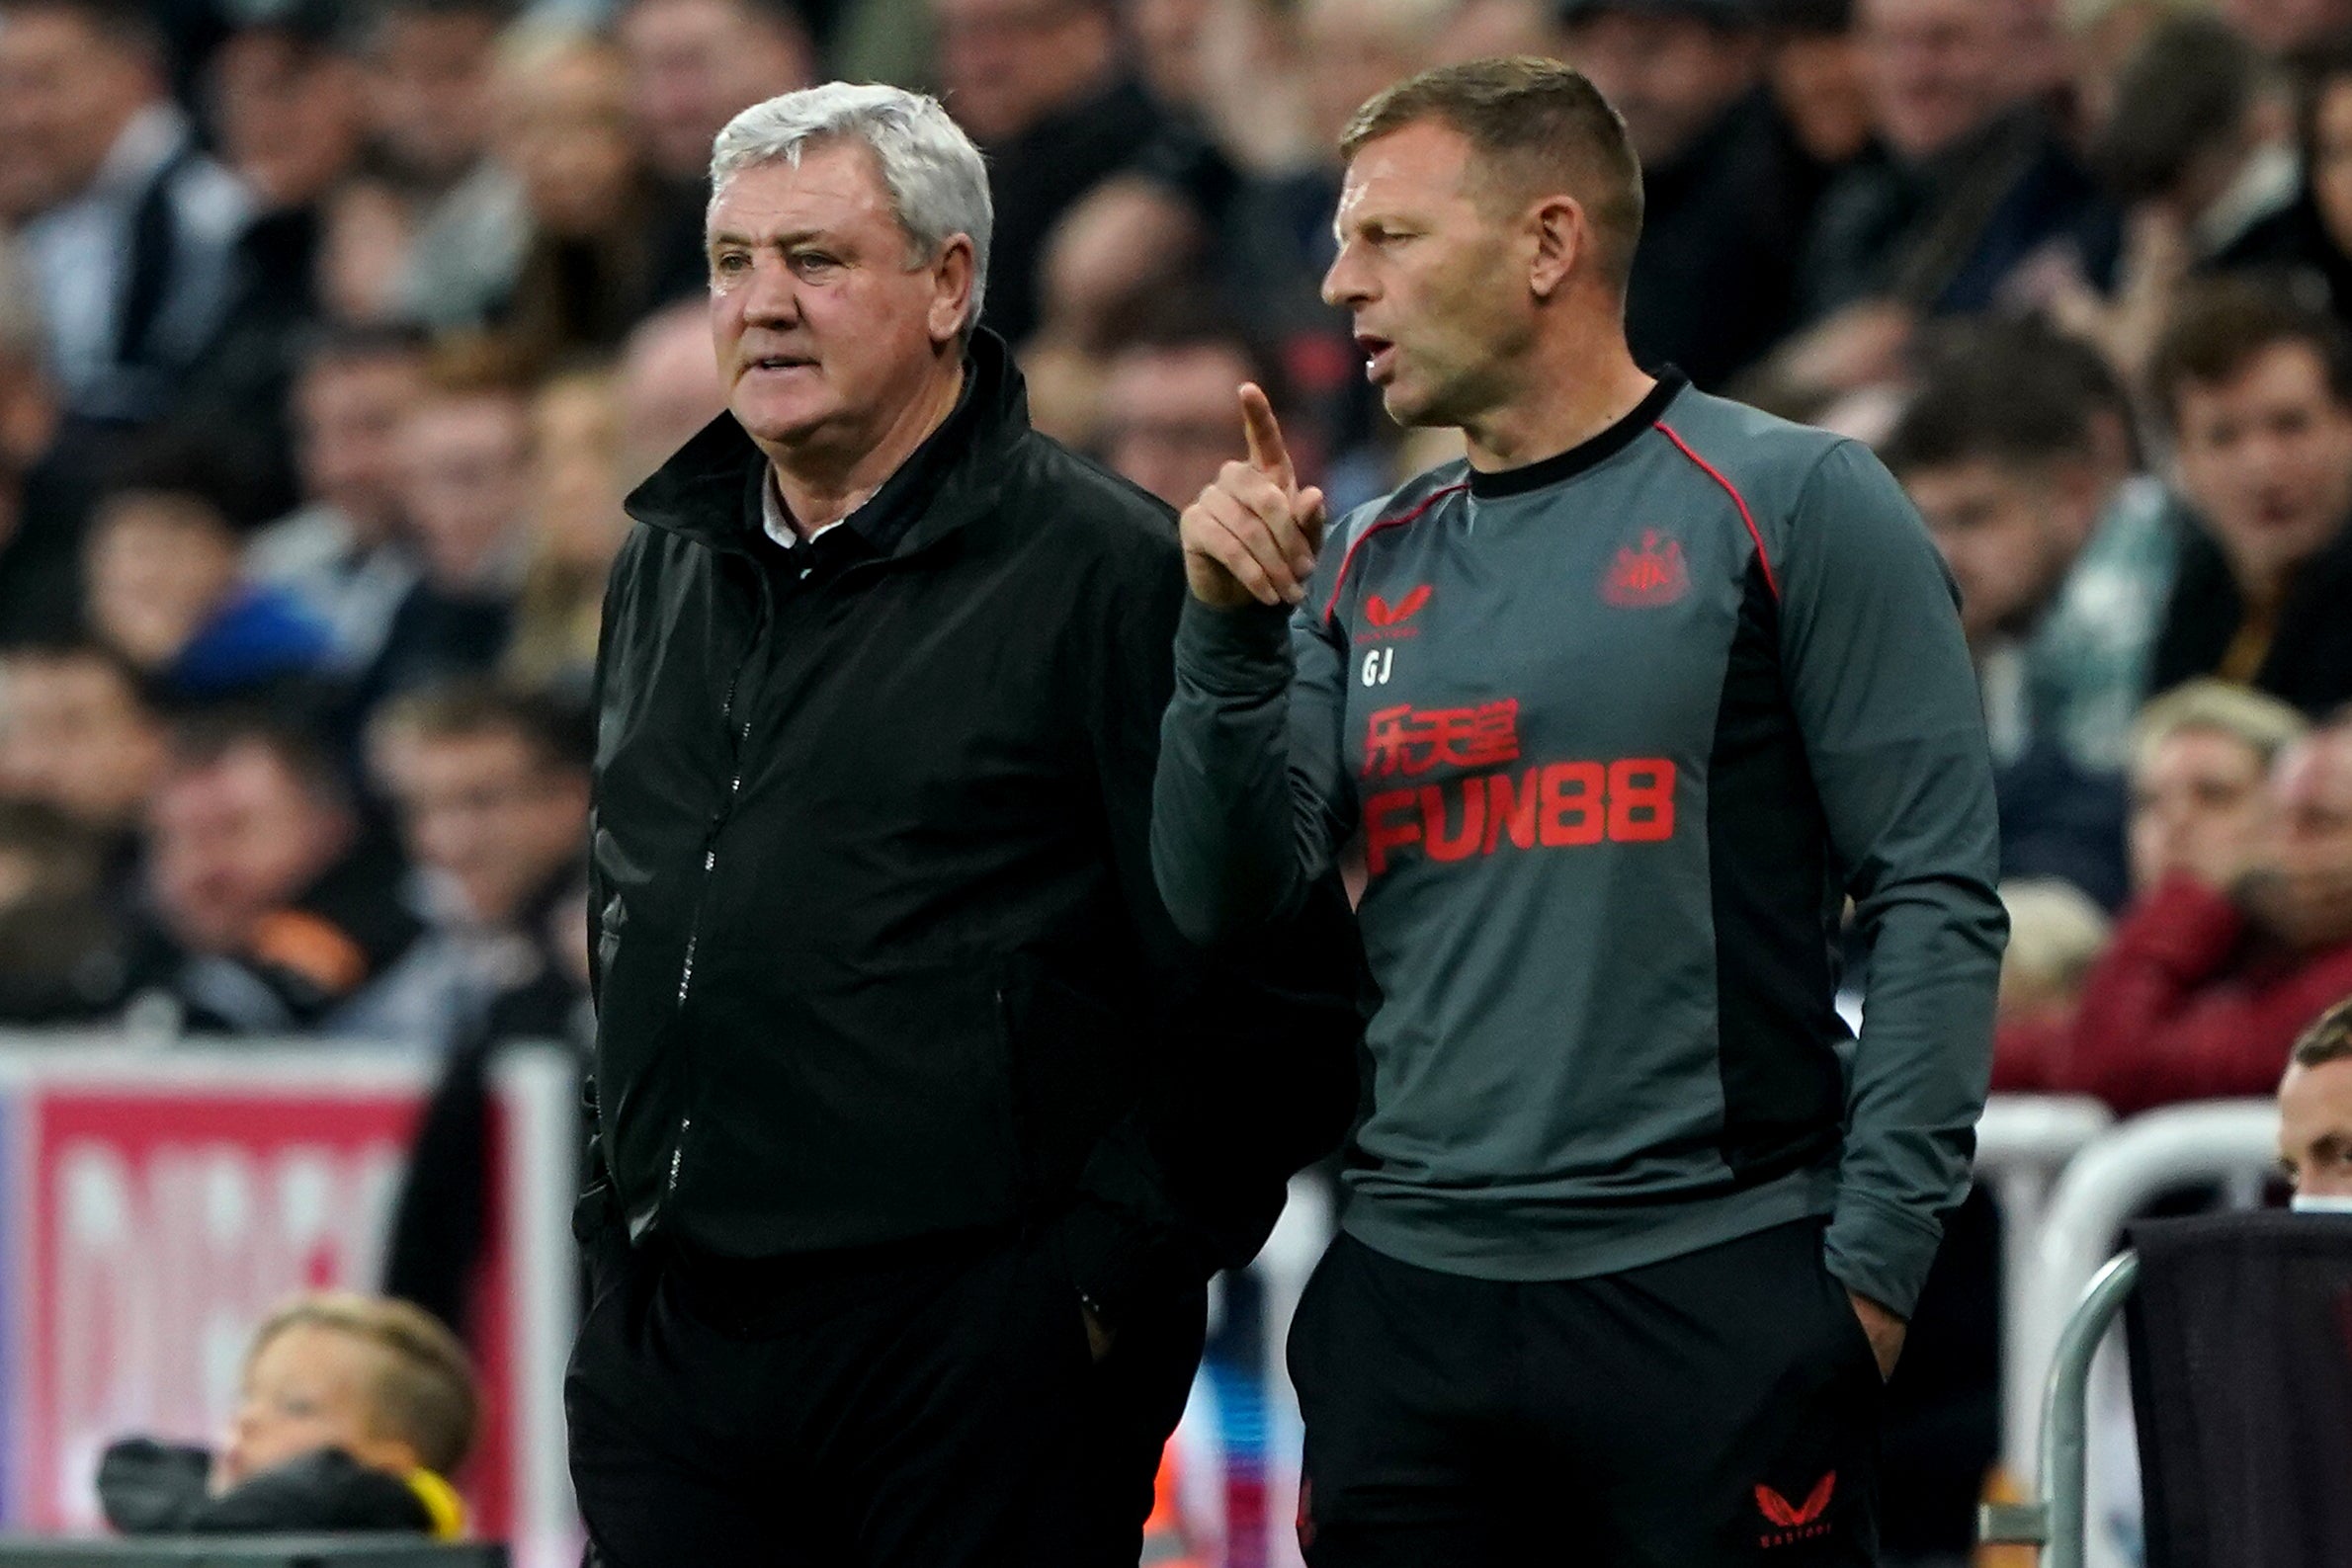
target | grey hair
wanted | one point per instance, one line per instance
(938, 183)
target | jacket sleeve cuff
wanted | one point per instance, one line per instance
(1245, 650)
(1882, 1250)
(1116, 1263)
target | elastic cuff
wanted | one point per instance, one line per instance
(1882, 1250)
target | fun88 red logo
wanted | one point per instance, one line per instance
(1546, 805)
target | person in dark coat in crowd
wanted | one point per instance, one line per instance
(272, 910)
(490, 787)
(1973, 178)
(2257, 390)
(1038, 85)
(1726, 196)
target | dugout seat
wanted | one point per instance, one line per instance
(2239, 1344)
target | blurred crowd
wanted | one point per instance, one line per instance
(332, 336)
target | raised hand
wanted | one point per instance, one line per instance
(1253, 534)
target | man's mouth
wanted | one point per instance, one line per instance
(1379, 356)
(779, 362)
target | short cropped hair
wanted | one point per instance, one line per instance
(2256, 720)
(123, 25)
(2329, 1039)
(2221, 325)
(1534, 124)
(1999, 393)
(205, 737)
(2185, 92)
(937, 180)
(361, 342)
(423, 1394)
(479, 364)
(1173, 320)
(558, 735)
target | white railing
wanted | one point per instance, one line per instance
(2023, 1143)
(2231, 1141)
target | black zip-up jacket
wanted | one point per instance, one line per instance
(878, 949)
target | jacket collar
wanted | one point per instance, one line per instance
(710, 491)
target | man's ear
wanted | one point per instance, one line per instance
(1563, 239)
(952, 277)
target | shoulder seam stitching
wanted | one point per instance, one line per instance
(1377, 526)
(1763, 557)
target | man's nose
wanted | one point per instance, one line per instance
(772, 297)
(1343, 283)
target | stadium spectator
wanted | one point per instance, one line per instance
(1171, 41)
(286, 103)
(1726, 195)
(577, 524)
(450, 215)
(2287, 27)
(590, 270)
(1972, 179)
(2064, 565)
(131, 229)
(2190, 136)
(288, 115)
(463, 453)
(1168, 400)
(77, 735)
(490, 787)
(2055, 935)
(1039, 84)
(693, 66)
(345, 553)
(273, 912)
(2201, 756)
(61, 940)
(2315, 1113)
(2193, 149)
(2243, 929)
(44, 485)
(1814, 71)
(80, 747)
(491, 790)
(667, 387)
(1277, 243)
(2310, 239)
(166, 586)
(1127, 243)
(353, 1414)
(2256, 389)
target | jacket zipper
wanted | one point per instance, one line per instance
(738, 736)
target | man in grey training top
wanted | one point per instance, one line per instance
(1621, 709)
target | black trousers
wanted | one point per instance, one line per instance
(929, 1406)
(1717, 1408)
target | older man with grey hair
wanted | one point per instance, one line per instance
(920, 1129)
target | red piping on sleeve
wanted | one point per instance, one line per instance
(1763, 558)
(1347, 560)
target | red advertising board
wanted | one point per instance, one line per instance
(154, 1217)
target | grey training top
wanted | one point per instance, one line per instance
(1621, 730)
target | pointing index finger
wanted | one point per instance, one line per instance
(1267, 454)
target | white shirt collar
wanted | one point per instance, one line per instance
(779, 526)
